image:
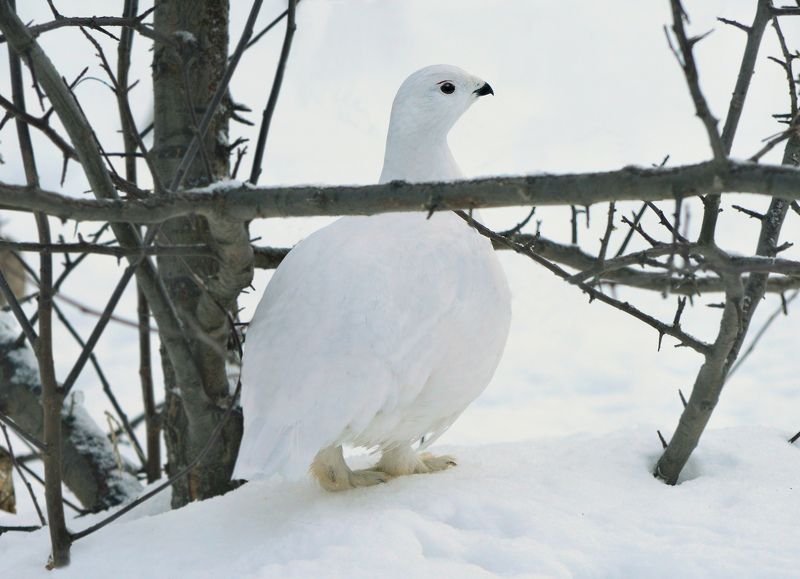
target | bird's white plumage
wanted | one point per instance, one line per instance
(376, 331)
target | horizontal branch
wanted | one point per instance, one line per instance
(112, 250)
(245, 203)
(97, 22)
(615, 271)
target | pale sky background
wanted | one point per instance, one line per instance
(579, 86)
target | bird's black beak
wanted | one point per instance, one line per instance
(484, 90)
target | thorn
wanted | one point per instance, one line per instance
(433, 204)
(676, 322)
(661, 438)
(695, 39)
(683, 398)
(793, 439)
(735, 24)
(660, 338)
(753, 214)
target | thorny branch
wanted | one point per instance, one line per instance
(662, 328)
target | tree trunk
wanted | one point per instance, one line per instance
(203, 290)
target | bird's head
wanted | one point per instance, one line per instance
(431, 100)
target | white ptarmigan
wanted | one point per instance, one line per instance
(377, 331)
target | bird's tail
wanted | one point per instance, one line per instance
(270, 451)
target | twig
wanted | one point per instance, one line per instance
(97, 22)
(52, 394)
(749, 213)
(216, 99)
(152, 423)
(735, 24)
(99, 327)
(22, 433)
(772, 143)
(274, 92)
(601, 255)
(781, 309)
(686, 60)
(106, 386)
(189, 466)
(121, 93)
(16, 309)
(660, 327)
(268, 27)
(788, 58)
(518, 227)
(672, 228)
(19, 529)
(40, 480)
(114, 251)
(22, 475)
(629, 235)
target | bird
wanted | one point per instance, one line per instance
(377, 331)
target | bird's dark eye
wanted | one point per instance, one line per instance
(447, 88)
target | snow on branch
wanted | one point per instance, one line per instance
(246, 203)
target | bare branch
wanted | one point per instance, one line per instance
(22, 476)
(763, 330)
(246, 203)
(689, 67)
(216, 99)
(22, 433)
(274, 92)
(97, 22)
(110, 250)
(735, 107)
(660, 327)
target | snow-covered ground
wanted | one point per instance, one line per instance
(579, 506)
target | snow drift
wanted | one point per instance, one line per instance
(569, 507)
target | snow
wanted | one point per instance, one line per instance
(27, 368)
(221, 186)
(88, 439)
(185, 36)
(580, 506)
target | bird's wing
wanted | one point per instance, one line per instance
(342, 333)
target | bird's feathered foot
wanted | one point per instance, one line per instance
(437, 463)
(333, 474)
(402, 460)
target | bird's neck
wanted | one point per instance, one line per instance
(418, 158)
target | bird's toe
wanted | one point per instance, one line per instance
(437, 463)
(368, 478)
